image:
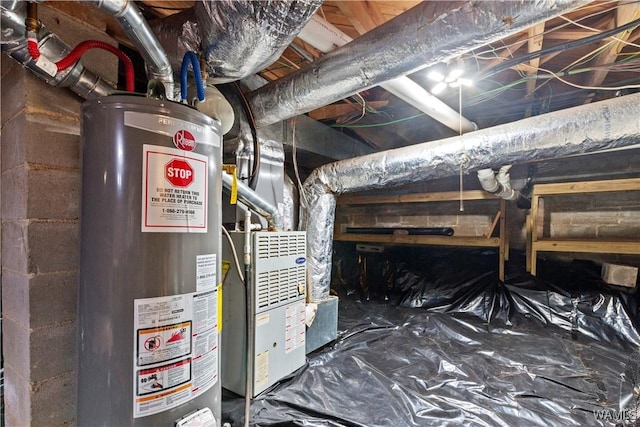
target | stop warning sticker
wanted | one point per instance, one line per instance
(174, 190)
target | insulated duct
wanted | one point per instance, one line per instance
(252, 199)
(390, 51)
(325, 37)
(14, 42)
(138, 31)
(607, 124)
(237, 37)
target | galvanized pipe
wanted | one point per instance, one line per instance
(139, 32)
(252, 199)
(603, 125)
(77, 78)
(401, 46)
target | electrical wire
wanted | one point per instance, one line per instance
(234, 253)
(561, 47)
(596, 31)
(581, 86)
(375, 125)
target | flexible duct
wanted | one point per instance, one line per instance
(252, 199)
(325, 37)
(138, 31)
(608, 124)
(237, 37)
(77, 78)
(390, 51)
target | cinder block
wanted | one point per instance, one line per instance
(560, 231)
(15, 344)
(52, 298)
(17, 398)
(59, 103)
(52, 351)
(53, 402)
(15, 297)
(53, 246)
(53, 194)
(625, 232)
(629, 217)
(13, 141)
(592, 217)
(14, 194)
(443, 220)
(52, 142)
(14, 246)
(623, 275)
(13, 97)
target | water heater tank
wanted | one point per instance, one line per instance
(149, 298)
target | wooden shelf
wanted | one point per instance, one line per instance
(536, 243)
(501, 243)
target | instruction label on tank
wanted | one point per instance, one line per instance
(174, 190)
(176, 346)
(205, 272)
(295, 332)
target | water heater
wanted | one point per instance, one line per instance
(149, 298)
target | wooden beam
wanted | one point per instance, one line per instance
(446, 196)
(626, 12)
(403, 239)
(363, 15)
(534, 44)
(337, 110)
(628, 184)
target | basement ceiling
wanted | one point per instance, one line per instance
(509, 80)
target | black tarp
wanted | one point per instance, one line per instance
(455, 346)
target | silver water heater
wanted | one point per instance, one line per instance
(149, 299)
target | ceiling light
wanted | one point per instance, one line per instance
(436, 76)
(438, 88)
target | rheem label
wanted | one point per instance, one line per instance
(174, 190)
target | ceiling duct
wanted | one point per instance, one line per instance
(236, 37)
(403, 45)
(604, 125)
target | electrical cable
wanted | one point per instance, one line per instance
(596, 31)
(373, 125)
(234, 253)
(561, 47)
(581, 86)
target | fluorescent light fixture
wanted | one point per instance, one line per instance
(436, 76)
(455, 74)
(441, 86)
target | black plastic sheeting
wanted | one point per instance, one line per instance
(454, 346)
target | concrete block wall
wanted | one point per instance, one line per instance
(40, 209)
(605, 216)
(475, 220)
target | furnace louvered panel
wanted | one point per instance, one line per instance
(276, 245)
(280, 268)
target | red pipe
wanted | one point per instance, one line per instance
(32, 46)
(78, 51)
(81, 48)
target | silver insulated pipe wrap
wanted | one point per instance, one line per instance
(604, 125)
(392, 50)
(237, 37)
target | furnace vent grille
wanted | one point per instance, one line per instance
(280, 245)
(279, 286)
